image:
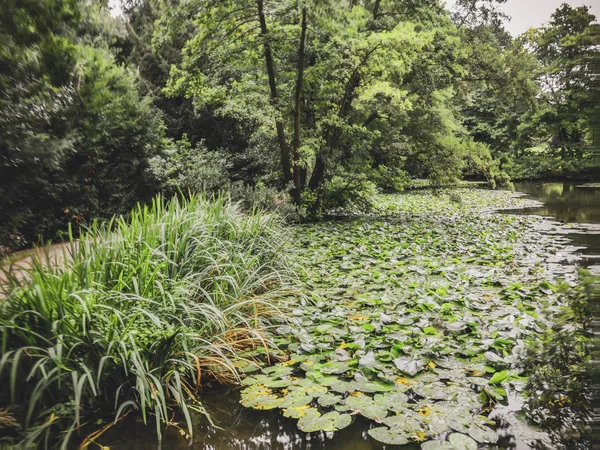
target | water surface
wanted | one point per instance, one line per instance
(574, 204)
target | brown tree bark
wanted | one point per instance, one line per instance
(298, 112)
(283, 145)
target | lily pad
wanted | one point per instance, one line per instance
(409, 365)
(483, 434)
(332, 421)
(437, 445)
(462, 442)
(390, 436)
(367, 407)
(329, 399)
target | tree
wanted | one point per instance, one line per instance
(75, 135)
(566, 49)
(341, 74)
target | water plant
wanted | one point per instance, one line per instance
(418, 320)
(139, 314)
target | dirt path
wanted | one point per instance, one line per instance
(19, 262)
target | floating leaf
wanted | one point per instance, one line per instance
(409, 365)
(332, 421)
(483, 434)
(499, 377)
(456, 326)
(329, 399)
(437, 445)
(395, 401)
(493, 357)
(367, 407)
(391, 436)
(462, 442)
(296, 412)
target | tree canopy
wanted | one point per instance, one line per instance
(317, 98)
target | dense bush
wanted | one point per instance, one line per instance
(75, 134)
(140, 314)
(346, 192)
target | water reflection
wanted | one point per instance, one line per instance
(564, 386)
(569, 202)
(241, 429)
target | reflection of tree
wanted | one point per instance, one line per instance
(558, 388)
(239, 428)
(565, 201)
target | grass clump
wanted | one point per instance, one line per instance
(140, 312)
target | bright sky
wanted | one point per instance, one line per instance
(533, 13)
(524, 13)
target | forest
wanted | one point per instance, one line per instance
(186, 158)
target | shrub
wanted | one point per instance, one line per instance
(349, 192)
(183, 168)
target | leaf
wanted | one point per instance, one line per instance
(367, 360)
(493, 357)
(390, 436)
(437, 445)
(396, 351)
(296, 412)
(394, 401)
(408, 365)
(329, 399)
(499, 377)
(483, 435)
(462, 442)
(367, 407)
(456, 326)
(324, 328)
(332, 421)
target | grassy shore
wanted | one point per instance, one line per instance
(139, 314)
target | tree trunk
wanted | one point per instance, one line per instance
(297, 113)
(283, 145)
(376, 9)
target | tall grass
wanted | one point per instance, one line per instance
(139, 314)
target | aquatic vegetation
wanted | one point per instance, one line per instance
(139, 315)
(417, 319)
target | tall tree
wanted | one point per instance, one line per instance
(566, 49)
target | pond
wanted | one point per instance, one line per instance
(572, 203)
(245, 428)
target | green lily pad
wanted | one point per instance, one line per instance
(394, 401)
(329, 399)
(390, 436)
(462, 442)
(483, 434)
(332, 421)
(297, 412)
(437, 445)
(409, 365)
(457, 326)
(367, 407)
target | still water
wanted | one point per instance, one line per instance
(574, 204)
(239, 428)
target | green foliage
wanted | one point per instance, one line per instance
(139, 314)
(75, 133)
(349, 192)
(181, 168)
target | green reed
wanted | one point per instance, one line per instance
(139, 312)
